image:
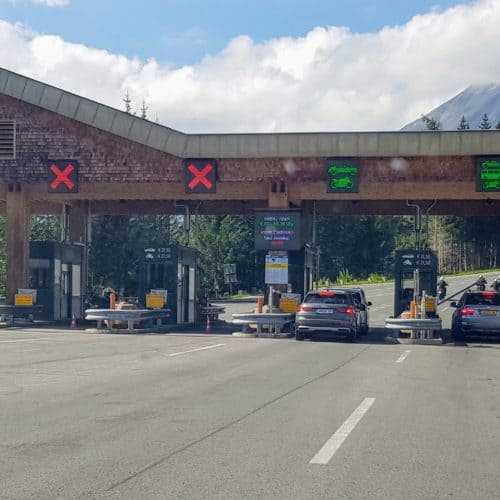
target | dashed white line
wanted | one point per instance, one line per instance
(403, 357)
(194, 350)
(335, 442)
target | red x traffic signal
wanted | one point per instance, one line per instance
(200, 175)
(62, 176)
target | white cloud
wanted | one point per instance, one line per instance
(330, 79)
(52, 3)
(48, 3)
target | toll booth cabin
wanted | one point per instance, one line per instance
(301, 269)
(171, 270)
(415, 272)
(56, 275)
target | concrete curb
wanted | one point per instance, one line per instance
(125, 331)
(262, 335)
(425, 341)
(275, 335)
(244, 335)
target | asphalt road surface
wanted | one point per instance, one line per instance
(184, 416)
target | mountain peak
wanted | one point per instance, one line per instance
(473, 103)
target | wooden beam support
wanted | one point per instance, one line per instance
(17, 237)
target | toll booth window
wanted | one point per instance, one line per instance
(155, 275)
(39, 278)
(426, 284)
(407, 284)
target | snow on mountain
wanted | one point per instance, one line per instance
(472, 103)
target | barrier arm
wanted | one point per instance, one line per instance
(458, 293)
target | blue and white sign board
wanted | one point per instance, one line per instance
(276, 269)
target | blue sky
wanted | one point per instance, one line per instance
(258, 65)
(183, 31)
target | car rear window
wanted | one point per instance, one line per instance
(327, 298)
(482, 299)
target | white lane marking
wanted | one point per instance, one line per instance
(403, 357)
(335, 442)
(23, 340)
(194, 350)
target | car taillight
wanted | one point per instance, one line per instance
(466, 312)
(305, 308)
(346, 310)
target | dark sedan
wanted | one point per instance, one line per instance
(477, 313)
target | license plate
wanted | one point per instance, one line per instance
(488, 312)
(324, 311)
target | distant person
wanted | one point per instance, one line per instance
(481, 283)
(496, 284)
(441, 288)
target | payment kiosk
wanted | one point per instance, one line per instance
(56, 275)
(171, 271)
(415, 273)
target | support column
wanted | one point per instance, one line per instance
(78, 232)
(278, 195)
(17, 236)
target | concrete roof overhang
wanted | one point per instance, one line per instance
(224, 145)
(371, 147)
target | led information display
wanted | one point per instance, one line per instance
(409, 260)
(343, 175)
(62, 176)
(488, 173)
(200, 176)
(277, 231)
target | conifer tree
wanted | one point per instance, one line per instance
(485, 123)
(431, 123)
(128, 103)
(144, 110)
(463, 125)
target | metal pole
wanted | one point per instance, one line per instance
(418, 223)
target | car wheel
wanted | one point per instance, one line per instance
(299, 335)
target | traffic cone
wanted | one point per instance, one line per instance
(73, 322)
(207, 328)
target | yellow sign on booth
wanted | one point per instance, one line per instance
(289, 302)
(23, 299)
(154, 301)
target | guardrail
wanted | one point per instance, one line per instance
(130, 316)
(422, 330)
(9, 312)
(414, 323)
(273, 321)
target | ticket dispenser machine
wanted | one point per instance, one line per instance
(415, 272)
(171, 268)
(56, 274)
